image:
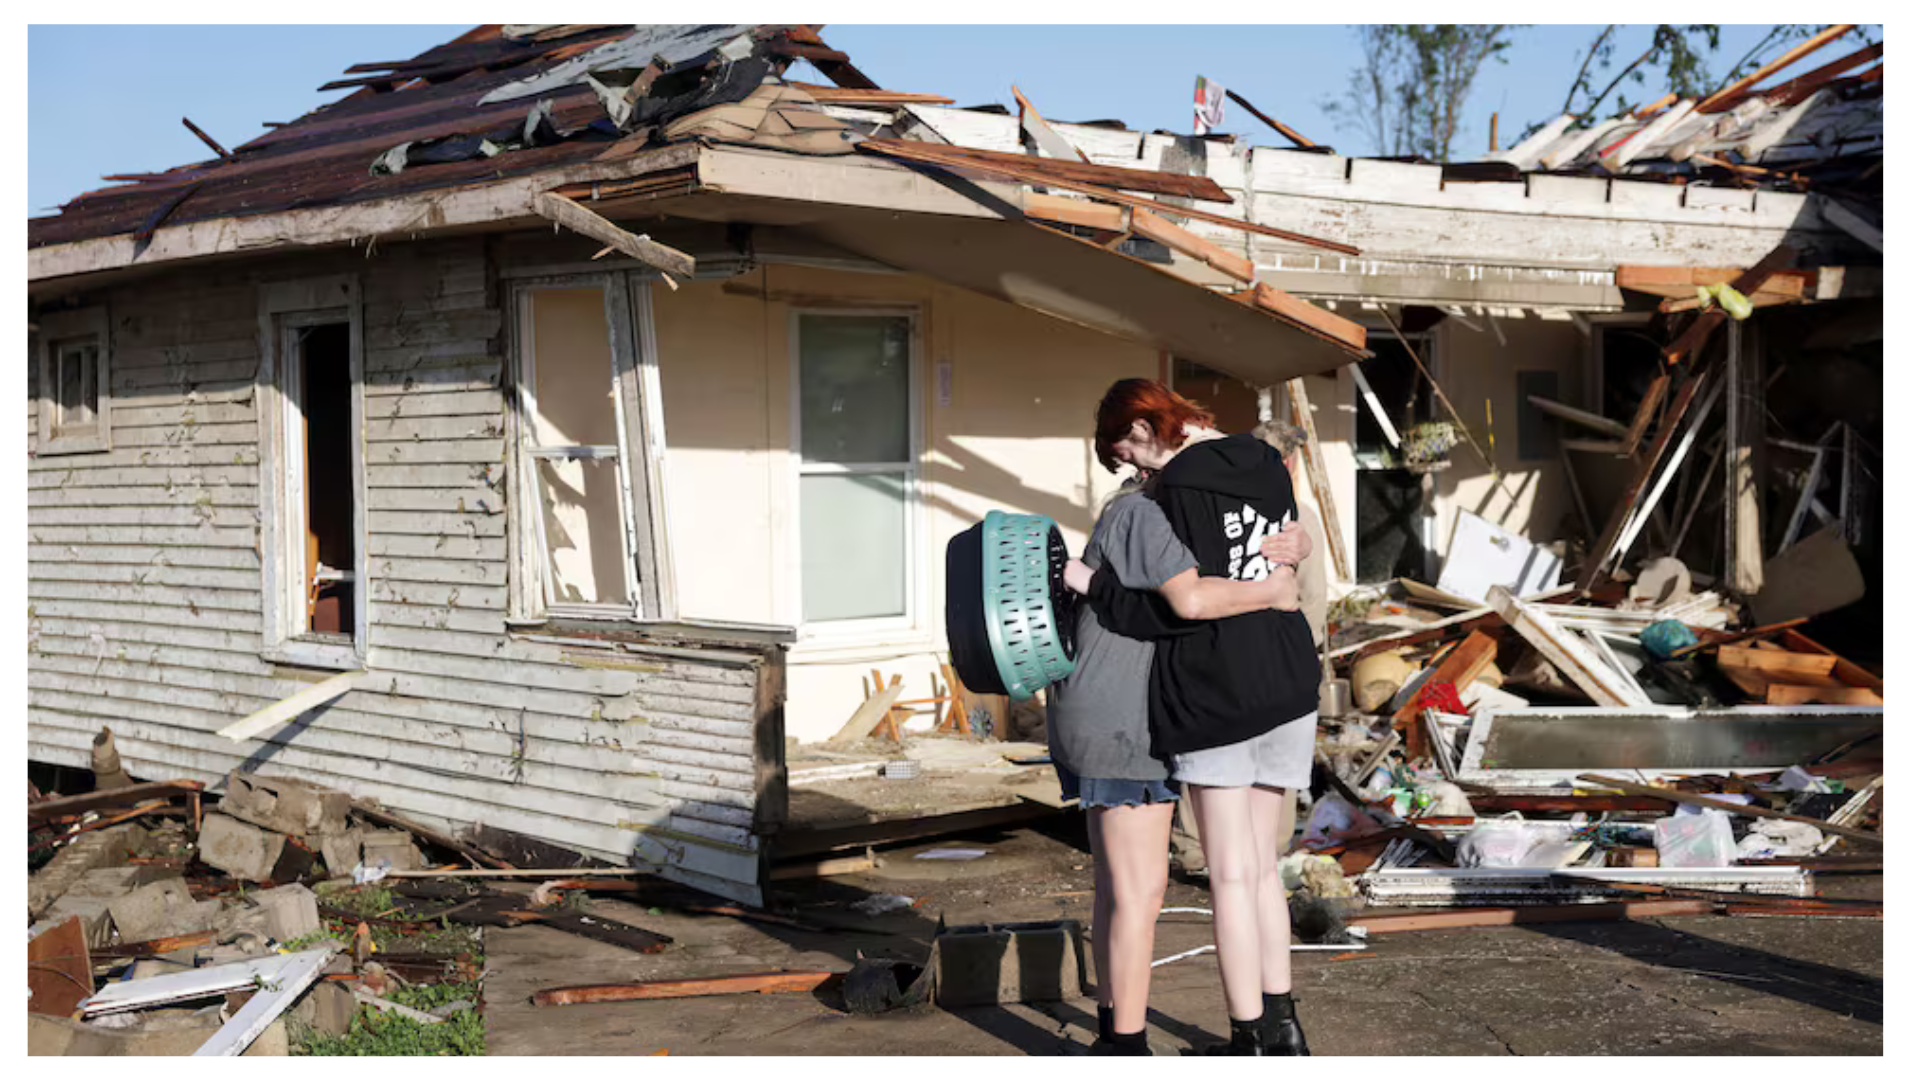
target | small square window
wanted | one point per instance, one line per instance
(75, 404)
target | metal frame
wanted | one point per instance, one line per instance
(286, 308)
(56, 329)
(846, 632)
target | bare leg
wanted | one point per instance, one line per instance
(1269, 808)
(1233, 868)
(1131, 853)
(1102, 909)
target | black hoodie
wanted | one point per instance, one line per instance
(1221, 681)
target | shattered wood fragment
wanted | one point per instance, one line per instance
(1154, 227)
(1724, 98)
(206, 138)
(1463, 665)
(1053, 171)
(62, 806)
(1291, 135)
(503, 911)
(564, 211)
(841, 95)
(1705, 323)
(1335, 540)
(772, 982)
(1625, 510)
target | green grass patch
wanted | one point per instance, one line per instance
(381, 1034)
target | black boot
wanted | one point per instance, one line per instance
(1123, 1044)
(1244, 1041)
(1280, 1034)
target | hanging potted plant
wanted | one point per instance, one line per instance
(1424, 447)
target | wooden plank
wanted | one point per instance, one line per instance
(1723, 98)
(1564, 651)
(1579, 416)
(1303, 314)
(1644, 415)
(1043, 135)
(59, 969)
(564, 211)
(1845, 670)
(282, 711)
(1838, 694)
(1459, 669)
(1629, 503)
(761, 983)
(1013, 170)
(1154, 227)
(1740, 809)
(1546, 913)
(112, 798)
(842, 95)
(1679, 282)
(1081, 212)
(870, 712)
(1695, 335)
(1795, 90)
(1286, 132)
(1771, 662)
(1302, 416)
(1049, 171)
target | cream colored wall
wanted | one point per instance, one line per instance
(1531, 497)
(1014, 435)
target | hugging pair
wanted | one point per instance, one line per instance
(1195, 667)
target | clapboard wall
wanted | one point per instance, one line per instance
(145, 614)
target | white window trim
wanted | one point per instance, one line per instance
(640, 453)
(855, 634)
(286, 307)
(64, 325)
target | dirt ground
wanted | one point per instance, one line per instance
(1695, 985)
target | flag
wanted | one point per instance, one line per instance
(1209, 104)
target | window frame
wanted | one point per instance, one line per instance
(286, 308)
(56, 328)
(854, 632)
(639, 452)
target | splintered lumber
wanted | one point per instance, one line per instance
(1724, 97)
(1602, 424)
(1776, 661)
(1460, 668)
(842, 95)
(1302, 410)
(565, 212)
(59, 971)
(1049, 171)
(871, 711)
(1798, 88)
(1027, 170)
(1679, 282)
(1573, 657)
(1845, 670)
(1453, 920)
(1087, 215)
(205, 138)
(1286, 132)
(1043, 134)
(511, 911)
(112, 798)
(1627, 509)
(1302, 314)
(1741, 809)
(1695, 335)
(287, 709)
(770, 982)
(1154, 227)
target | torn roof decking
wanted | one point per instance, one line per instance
(323, 157)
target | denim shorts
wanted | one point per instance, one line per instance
(1098, 794)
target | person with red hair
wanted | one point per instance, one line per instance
(1232, 702)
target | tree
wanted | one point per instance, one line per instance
(1410, 95)
(1682, 48)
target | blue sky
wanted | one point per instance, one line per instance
(108, 99)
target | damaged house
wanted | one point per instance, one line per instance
(538, 437)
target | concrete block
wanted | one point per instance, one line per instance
(339, 850)
(234, 847)
(286, 805)
(328, 1008)
(290, 912)
(161, 910)
(90, 851)
(156, 1033)
(997, 964)
(395, 846)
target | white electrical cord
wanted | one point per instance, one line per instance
(1202, 950)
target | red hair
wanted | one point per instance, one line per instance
(1165, 413)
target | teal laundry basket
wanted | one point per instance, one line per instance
(1009, 622)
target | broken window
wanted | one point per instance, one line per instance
(74, 404)
(313, 490)
(573, 443)
(1390, 503)
(857, 479)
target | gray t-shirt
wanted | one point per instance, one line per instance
(1097, 715)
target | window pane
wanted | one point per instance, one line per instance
(586, 545)
(572, 369)
(79, 398)
(853, 544)
(853, 388)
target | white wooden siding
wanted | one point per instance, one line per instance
(145, 608)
